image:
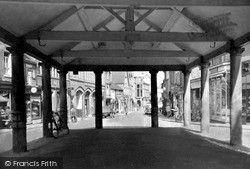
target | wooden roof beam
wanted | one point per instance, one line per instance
(125, 67)
(115, 15)
(14, 41)
(170, 23)
(148, 22)
(225, 48)
(55, 21)
(124, 53)
(126, 36)
(106, 21)
(85, 23)
(194, 19)
(144, 16)
(137, 2)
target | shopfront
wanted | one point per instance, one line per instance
(219, 91)
(33, 105)
(219, 98)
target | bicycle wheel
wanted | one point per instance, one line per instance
(67, 130)
(55, 133)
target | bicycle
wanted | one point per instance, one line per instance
(56, 125)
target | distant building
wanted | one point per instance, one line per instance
(173, 90)
(125, 81)
(80, 87)
(142, 88)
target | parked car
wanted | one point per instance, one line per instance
(107, 111)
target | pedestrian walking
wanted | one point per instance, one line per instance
(126, 109)
(73, 115)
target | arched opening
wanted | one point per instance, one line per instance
(139, 103)
(87, 103)
(93, 103)
(78, 103)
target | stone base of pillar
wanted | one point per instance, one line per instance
(19, 132)
(18, 137)
(64, 117)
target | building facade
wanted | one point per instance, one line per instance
(80, 88)
(142, 89)
(126, 82)
(173, 90)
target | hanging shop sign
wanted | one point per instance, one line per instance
(33, 90)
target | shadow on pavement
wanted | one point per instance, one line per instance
(129, 147)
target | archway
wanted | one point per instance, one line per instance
(87, 103)
(139, 103)
(92, 103)
(78, 103)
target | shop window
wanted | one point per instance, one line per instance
(29, 76)
(34, 73)
(139, 90)
(33, 108)
(39, 70)
(7, 66)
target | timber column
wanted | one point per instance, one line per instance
(236, 96)
(187, 98)
(205, 120)
(154, 101)
(18, 101)
(47, 102)
(63, 99)
(98, 99)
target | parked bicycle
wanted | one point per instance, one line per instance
(57, 125)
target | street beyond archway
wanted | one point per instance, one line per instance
(129, 142)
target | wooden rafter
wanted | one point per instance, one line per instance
(141, 2)
(56, 21)
(225, 48)
(191, 17)
(170, 23)
(126, 36)
(106, 21)
(85, 23)
(14, 41)
(148, 22)
(193, 64)
(115, 14)
(125, 67)
(125, 7)
(124, 53)
(144, 16)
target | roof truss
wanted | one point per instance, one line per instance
(124, 53)
(139, 2)
(125, 36)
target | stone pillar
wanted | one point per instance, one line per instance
(47, 101)
(205, 120)
(154, 101)
(98, 99)
(236, 97)
(187, 98)
(63, 99)
(18, 101)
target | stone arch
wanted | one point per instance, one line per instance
(78, 101)
(87, 100)
(92, 103)
(139, 103)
